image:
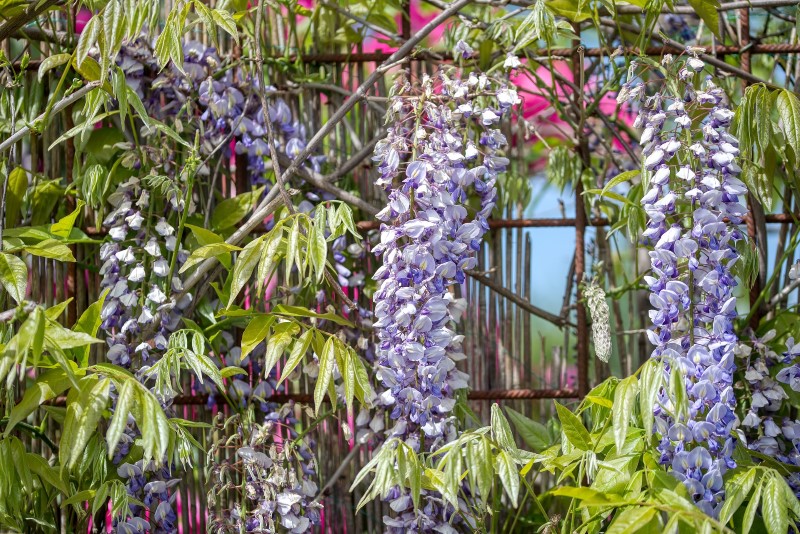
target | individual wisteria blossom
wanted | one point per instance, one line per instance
(443, 144)
(767, 423)
(693, 205)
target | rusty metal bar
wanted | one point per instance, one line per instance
(307, 398)
(556, 222)
(376, 57)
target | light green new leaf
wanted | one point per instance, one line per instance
(318, 251)
(326, 361)
(87, 39)
(624, 400)
(507, 471)
(773, 507)
(573, 428)
(51, 62)
(64, 226)
(255, 332)
(37, 465)
(221, 250)
(62, 338)
(752, 506)
(243, 268)
(631, 519)
(789, 112)
(50, 248)
(736, 491)
(650, 383)
(276, 345)
(298, 352)
(225, 21)
(125, 400)
(299, 311)
(88, 323)
(501, 431)
(93, 403)
(13, 276)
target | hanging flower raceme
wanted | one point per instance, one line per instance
(768, 426)
(693, 208)
(142, 307)
(443, 143)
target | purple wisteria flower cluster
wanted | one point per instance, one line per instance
(226, 101)
(443, 143)
(282, 489)
(768, 426)
(142, 307)
(693, 205)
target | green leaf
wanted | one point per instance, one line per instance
(93, 401)
(114, 24)
(230, 211)
(225, 21)
(51, 62)
(292, 250)
(621, 178)
(326, 361)
(736, 491)
(227, 372)
(298, 352)
(276, 345)
(50, 248)
(88, 323)
(318, 251)
(624, 399)
(62, 338)
(677, 390)
(509, 477)
(244, 266)
(125, 400)
(256, 332)
(87, 39)
(48, 386)
(773, 507)
(533, 433)
(707, 10)
(789, 112)
(39, 467)
(13, 276)
(501, 431)
(630, 520)
(758, 182)
(752, 506)
(214, 250)
(64, 226)
(650, 383)
(573, 428)
(80, 497)
(17, 186)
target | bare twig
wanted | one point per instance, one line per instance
(61, 104)
(33, 10)
(339, 472)
(519, 301)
